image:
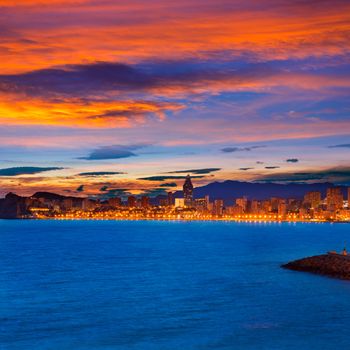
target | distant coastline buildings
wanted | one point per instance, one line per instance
(312, 207)
(188, 192)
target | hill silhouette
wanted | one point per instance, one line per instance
(230, 190)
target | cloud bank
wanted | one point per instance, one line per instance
(113, 152)
(15, 171)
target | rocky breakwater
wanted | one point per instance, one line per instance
(330, 264)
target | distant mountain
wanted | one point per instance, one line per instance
(48, 195)
(230, 190)
(52, 196)
(11, 206)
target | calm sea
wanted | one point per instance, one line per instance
(168, 285)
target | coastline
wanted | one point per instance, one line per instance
(179, 220)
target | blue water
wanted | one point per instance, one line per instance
(168, 285)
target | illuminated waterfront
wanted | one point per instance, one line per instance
(312, 208)
(187, 217)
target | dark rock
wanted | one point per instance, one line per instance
(331, 264)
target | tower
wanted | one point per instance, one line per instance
(131, 201)
(188, 192)
(334, 198)
(170, 199)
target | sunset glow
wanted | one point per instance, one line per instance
(143, 89)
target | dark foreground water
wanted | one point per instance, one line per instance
(164, 285)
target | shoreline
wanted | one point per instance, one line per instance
(182, 220)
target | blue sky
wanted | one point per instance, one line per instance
(131, 91)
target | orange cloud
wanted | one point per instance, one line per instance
(16, 3)
(143, 30)
(28, 185)
(79, 113)
(98, 95)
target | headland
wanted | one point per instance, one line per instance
(332, 264)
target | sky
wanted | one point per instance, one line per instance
(103, 98)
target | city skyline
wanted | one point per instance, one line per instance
(99, 98)
(311, 206)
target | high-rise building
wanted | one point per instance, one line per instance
(131, 201)
(202, 204)
(115, 202)
(170, 199)
(255, 207)
(218, 207)
(144, 202)
(275, 201)
(67, 204)
(349, 197)
(163, 202)
(188, 192)
(282, 208)
(243, 203)
(334, 198)
(179, 202)
(266, 206)
(294, 204)
(313, 199)
(234, 210)
(88, 204)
